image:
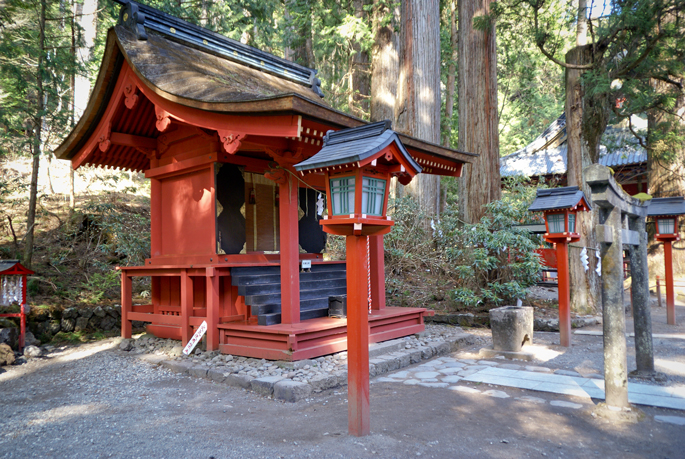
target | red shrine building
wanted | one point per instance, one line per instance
(217, 127)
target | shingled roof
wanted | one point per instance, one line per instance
(548, 153)
(355, 145)
(557, 198)
(666, 206)
(199, 69)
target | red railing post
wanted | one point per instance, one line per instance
(670, 297)
(126, 305)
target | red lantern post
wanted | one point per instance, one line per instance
(665, 212)
(560, 206)
(13, 290)
(357, 165)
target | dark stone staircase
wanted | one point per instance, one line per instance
(261, 287)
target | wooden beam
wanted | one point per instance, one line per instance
(130, 140)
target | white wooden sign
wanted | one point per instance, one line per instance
(196, 338)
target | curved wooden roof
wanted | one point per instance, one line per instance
(182, 64)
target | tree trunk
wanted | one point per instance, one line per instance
(581, 27)
(361, 78)
(385, 64)
(451, 76)
(417, 111)
(478, 127)
(37, 144)
(583, 150)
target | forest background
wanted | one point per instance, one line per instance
(475, 75)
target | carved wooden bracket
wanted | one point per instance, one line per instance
(279, 176)
(230, 140)
(130, 92)
(286, 157)
(163, 119)
(104, 140)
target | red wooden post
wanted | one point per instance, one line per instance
(357, 338)
(126, 305)
(670, 297)
(186, 305)
(212, 281)
(155, 218)
(564, 294)
(377, 272)
(22, 318)
(290, 253)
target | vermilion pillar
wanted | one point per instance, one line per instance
(564, 294)
(212, 281)
(126, 305)
(290, 253)
(186, 306)
(357, 337)
(670, 296)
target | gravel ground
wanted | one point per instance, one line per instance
(96, 401)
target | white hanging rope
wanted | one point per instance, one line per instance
(368, 269)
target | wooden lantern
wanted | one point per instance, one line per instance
(665, 212)
(13, 291)
(357, 164)
(560, 206)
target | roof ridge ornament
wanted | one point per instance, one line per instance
(139, 17)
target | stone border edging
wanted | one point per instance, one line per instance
(383, 357)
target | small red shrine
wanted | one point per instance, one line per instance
(217, 127)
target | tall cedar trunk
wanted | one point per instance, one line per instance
(37, 144)
(361, 77)
(385, 63)
(451, 76)
(417, 112)
(478, 129)
(584, 127)
(666, 178)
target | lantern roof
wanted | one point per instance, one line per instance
(13, 267)
(666, 206)
(360, 145)
(559, 198)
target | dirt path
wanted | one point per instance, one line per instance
(94, 401)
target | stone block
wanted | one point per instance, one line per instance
(70, 313)
(81, 324)
(216, 375)
(291, 391)
(6, 355)
(243, 381)
(108, 323)
(440, 348)
(94, 322)
(9, 336)
(68, 325)
(198, 371)
(323, 382)
(32, 352)
(512, 327)
(126, 345)
(426, 352)
(415, 356)
(99, 312)
(54, 327)
(177, 366)
(86, 312)
(265, 385)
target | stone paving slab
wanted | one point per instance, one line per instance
(534, 378)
